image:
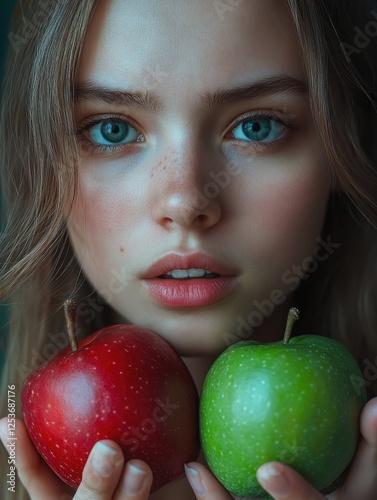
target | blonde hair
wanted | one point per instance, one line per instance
(38, 173)
(38, 154)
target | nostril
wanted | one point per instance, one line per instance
(186, 209)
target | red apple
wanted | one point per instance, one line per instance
(122, 383)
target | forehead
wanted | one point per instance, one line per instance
(188, 44)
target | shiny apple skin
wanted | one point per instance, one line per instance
(297, 403)
(124, 383)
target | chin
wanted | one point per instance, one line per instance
(190, 334)
(193, 342)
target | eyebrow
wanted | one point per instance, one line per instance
(279, 84)
(88, 91)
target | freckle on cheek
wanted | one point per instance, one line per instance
(161, 165)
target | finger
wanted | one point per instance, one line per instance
(39, 480)
(101, 472)
(361, 481)
(204, 484)
(135, 482)
(282, 482)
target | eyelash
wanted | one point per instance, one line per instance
(288, 124)
(94, 148)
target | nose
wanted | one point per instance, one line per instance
(186, 196)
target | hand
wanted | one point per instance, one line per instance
(282, 482)
(105, 476)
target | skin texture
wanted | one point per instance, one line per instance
(140, 203)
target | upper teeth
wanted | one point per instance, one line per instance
(188, 273)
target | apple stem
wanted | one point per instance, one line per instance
(293, 315)
(70, 322)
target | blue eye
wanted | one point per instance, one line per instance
(259, 129)
(113, 132)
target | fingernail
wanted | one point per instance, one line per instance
(272, 478)
(134, 480)
(195, 480)
(104, 459)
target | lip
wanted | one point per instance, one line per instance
(193, 292)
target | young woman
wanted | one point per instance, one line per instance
(194, 168)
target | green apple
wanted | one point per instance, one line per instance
(294, 401)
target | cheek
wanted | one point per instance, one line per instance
(107, 200)
(101, 221)
(286, 217)
(291, 208)
(104, 206)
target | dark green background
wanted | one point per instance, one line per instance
(6, 7)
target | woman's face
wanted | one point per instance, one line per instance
(197, 152)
